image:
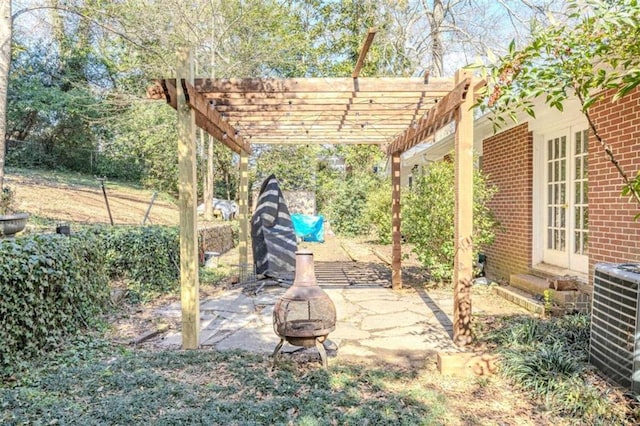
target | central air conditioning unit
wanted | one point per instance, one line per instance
(615, 325)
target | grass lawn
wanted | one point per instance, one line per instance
(104, 384)
(544, 378)
(92, 381)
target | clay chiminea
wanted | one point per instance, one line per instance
(305, 314)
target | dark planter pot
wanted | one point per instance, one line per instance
(11, 224)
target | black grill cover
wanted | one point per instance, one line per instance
(272, 234)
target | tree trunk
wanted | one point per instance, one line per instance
(5, 64)
(436, 18)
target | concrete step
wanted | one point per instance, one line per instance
(530, 283)
(520, 298)
(544, 271)
(536, 286)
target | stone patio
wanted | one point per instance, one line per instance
(373, 321)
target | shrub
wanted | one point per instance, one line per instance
(347, 203)
(51, 286)
(378, 211)
(549, 358)
(147, 258)
(428, 218)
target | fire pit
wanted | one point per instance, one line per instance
(305, 314)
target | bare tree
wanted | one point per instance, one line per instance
(5, 63)
(444, 35)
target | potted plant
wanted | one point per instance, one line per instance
(11, 222)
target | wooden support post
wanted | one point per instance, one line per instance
(396, 257)
(243, 201)
(463, 261)
(189, 286)
(209, 189)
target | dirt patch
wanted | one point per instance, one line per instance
(63, 202)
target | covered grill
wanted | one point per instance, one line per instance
(305, 314)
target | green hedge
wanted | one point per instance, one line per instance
(51, 285)
(146, 258)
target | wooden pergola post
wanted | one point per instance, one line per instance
(396, 254)
(243, 214)
(189, 285)
(208, 187)
(463, 261)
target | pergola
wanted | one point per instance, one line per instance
(394, 113)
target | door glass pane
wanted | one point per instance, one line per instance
(580, 207)
(556, 193)
(578, 191)
(585, 246)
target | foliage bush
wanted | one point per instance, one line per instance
(428, 218)
(549, 359)
(378, 211)
(347, 203)
(147, 258)
(51, 285)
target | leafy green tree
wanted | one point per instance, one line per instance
(345, 203)
(293, 165)
(595, 52)
(52, 106)
(378, 211)
(140, 135)
(428, 218)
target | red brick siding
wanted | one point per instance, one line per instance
(508, 162)
(613, 234)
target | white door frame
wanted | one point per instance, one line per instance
(540, 254)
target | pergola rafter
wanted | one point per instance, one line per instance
(310, 110)
(395, 113)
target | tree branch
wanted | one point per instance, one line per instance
(608, 151)
(88, 18)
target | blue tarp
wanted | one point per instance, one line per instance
(309, 228)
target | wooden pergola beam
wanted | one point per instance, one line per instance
(283, 141)
(363, 52)
(324, 124)
(320, 103)
(319, 113)
(248, 86)
(437, 118)
(202, 106)
(206, 117)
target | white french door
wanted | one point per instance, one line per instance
(566, 217)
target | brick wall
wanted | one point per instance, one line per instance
(508, 162)
(613, 234)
